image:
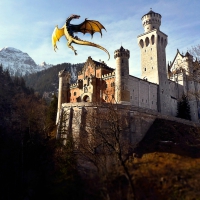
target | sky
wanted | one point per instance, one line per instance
(28, 25)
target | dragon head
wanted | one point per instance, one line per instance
(74, 17)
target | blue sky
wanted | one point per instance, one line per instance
(28, 25)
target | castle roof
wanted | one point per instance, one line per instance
(122, 49)
(151, 12)
(102, 64)
(187, 54)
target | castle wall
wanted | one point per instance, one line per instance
(138, 120)
(143, 93)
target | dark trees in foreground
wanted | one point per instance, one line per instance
(32, 165)
(183, 108)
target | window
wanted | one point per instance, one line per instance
(74, 93)
(113, 84)
(141, 43)
(147, 41)
(145, 69)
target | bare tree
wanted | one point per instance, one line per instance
(104, 140)
(195, 51)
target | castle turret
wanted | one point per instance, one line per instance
(151, 21)
(63, 96)
(122, 75)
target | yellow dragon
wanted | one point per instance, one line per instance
(68, 30)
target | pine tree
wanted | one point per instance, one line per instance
(183, 108)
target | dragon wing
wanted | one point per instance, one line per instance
(88, 26)
(57, 34)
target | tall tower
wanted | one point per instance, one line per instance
(122, 94)
(152, 44)
(63, 96)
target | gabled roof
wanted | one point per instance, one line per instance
(177, 53)
(95, 64)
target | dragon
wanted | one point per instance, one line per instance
(68, 30)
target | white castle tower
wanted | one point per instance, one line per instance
(153, 58)
(122, 94)
(63, 95)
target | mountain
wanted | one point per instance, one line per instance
(46, 81)
(19, 63)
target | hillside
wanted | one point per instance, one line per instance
(166, 176)
(47, 80)
(171, 137)
(166, 165)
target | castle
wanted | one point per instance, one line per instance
(160, 87)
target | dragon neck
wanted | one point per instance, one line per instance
(68, 20)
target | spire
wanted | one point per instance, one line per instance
(187, 54)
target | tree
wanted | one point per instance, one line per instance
(195, 51)
(183, 108)
(51, 113)
(103, 141)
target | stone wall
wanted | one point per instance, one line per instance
(139, 120)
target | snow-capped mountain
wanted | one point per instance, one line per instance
(19, 63)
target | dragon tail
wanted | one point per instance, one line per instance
(83, 42)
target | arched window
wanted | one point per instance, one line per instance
(152, 39)
(147, 41)
(141, 43)
(86, 98)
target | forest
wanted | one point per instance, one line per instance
(36, 165)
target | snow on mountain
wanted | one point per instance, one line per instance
(19, 63)
(73, 73)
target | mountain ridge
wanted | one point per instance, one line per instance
(19, 63)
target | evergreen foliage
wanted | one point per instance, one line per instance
(33, 164)
(183, 108)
